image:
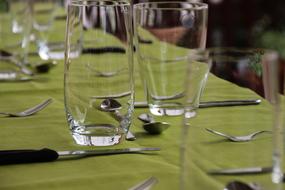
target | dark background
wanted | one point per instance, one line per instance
(245, 23)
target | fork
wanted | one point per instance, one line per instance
(29, 111)
(243, 138)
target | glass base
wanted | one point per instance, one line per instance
(55, 51)
(97, 135)
(166, 110)
(190, 114)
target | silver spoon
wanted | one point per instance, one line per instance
(5, 55)
(238, 185)
(113, 106)
(43, 67)
(237, 138)
(38, 68)
(151, 126)
(29, 111)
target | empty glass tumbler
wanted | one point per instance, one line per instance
(48, 37)
(98, 81)
(165, 33)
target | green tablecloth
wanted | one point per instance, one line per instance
(49, 129)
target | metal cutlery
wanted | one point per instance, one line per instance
(237, 138)
(29, 111)
(146, 184)
(239, 185)
(27, 68)
(48, 155)
(4, 55)
(151, 126)
(113, 106)
(241, 171)
(213, 103)
(13, 76)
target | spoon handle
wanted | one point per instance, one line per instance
(241, 171)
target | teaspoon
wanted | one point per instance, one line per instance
(113, 106)
(5, 55)
(38, 68)
(238, 185)
(44, 67)
(151, 126)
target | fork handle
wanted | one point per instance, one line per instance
(27, 156)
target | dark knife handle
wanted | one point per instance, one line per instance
(103, 50)
(27, 156)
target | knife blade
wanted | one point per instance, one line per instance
(209, 104)
(48, 155)
(241, 171)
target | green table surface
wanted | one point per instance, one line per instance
(49, 129)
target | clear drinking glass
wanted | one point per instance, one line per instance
(50, 46)
(98, 81)
(165, 32)
(15, 28)
(44, 13)
(211, 160)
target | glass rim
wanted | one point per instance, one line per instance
(98, 3)
(199, 6)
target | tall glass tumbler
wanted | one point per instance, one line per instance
(44, 12)
(165, 32)
(98, 81)
(15, 28)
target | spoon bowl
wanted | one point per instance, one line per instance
(44, 67)
(151, 126)
(113, 106)
(155, 128)
(110, 105)
(238, 185)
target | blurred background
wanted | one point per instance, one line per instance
(239, 23)
(245, 23)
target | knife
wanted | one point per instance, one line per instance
(241, 171)
(213, 103)
(48, 155)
